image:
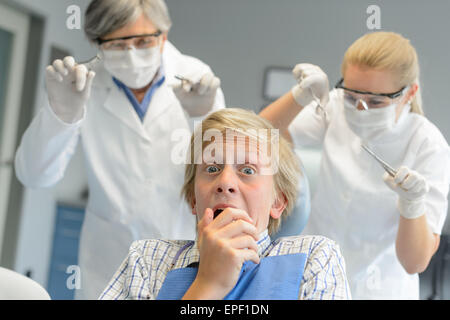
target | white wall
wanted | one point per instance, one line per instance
(36, 229)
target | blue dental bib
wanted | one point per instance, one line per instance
(274, 278)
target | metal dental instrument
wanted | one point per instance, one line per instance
(364, 104)
(183, 80)
(91, 62)
(386, 167)
(319, 104)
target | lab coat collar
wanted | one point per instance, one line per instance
(115, 101)
(119, 105)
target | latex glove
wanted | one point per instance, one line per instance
(311, 80)
(68, 86)
(197, 98)
(411, 188)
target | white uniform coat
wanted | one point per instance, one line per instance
(134, 187)
(353, 206)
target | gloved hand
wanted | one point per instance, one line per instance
(411, 188)
(197, 98)
(311, 80)
(68, 86)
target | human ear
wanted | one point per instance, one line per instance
(409, 96)
(278, 206)
(194, 209)
(411, 92)
(163, 42)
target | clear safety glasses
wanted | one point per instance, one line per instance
(142, 41)
(368, 100)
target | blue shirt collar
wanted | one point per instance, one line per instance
(263, 242)
(141, 108)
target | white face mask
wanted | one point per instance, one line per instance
(136, 68)
(370, 124)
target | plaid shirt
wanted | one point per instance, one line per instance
(142, 273)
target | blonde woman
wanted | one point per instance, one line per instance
(388, 227)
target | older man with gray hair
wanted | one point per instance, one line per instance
(124, 106)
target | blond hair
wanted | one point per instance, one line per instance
(391, 52)
(288, 171)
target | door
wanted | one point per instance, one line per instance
(13, 47)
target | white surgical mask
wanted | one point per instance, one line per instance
(136, 68)
(370, 124)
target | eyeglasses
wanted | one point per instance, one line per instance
(142, 41)
(369, 100)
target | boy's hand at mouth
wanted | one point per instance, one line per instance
(225, 243)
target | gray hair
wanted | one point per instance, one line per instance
(105, 16)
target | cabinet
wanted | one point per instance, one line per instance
(66, 238)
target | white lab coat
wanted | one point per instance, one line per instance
(353, 206)
(134, 186)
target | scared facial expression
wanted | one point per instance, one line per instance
(239, 184)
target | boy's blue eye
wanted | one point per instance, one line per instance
(248, 170)
(212, 169)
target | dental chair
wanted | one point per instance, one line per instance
(296, 222)
(14, 286)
